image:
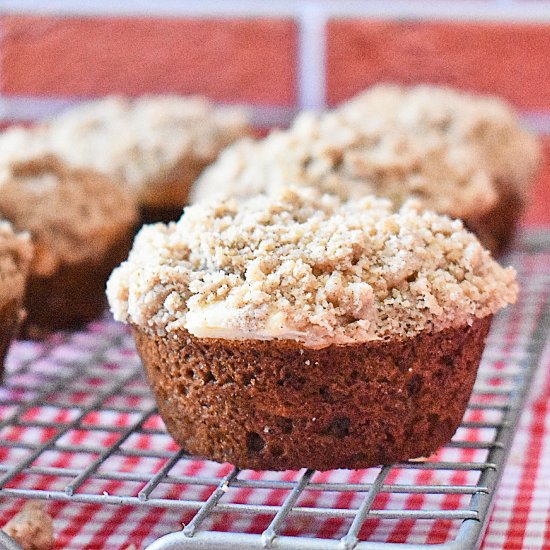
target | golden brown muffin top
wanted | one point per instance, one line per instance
(15, 257)
(305, 266)
(72, 215)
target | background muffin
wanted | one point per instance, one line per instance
(155, 145)
(461, 155)
(80, 224)
(295, 330)
(510, 155)
(15, 258)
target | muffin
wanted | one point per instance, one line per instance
(81, 225)
(15, 258)
(297, 330)
(461, 155)
(510, 155)
(155, 145)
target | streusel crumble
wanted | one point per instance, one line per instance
(309, 267)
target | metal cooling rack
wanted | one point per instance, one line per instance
(71, 393)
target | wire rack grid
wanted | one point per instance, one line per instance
(78, 424)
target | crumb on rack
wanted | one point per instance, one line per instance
(32, 527)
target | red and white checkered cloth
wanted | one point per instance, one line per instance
(521, 516)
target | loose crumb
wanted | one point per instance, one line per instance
(305, 266)
(32, 527)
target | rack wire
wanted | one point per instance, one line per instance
(78, 424)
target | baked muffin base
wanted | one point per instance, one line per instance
(155, 214)
(10, 318)
(277, 405)
(497, 227)
(165, 199)
(73, 295)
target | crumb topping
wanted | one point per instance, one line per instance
(487, 124)
(141, 143)
(447, 149)
(72, 215)
(19, 143)
(32, 527)
(305, 266)
(15, 257)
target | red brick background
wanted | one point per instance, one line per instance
(538, 209)
(237, 60)
(255, 60)
(511, 60)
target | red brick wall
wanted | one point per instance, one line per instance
(511, 60)
(238, 60)
(262, 61)
(538, 210)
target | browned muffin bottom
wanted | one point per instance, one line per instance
(167, 205)
(496, 228)
(74, 295)
(10, 318)
(154, 214)
(277, 405)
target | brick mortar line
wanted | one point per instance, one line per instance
(466, 10)
(23, 109)
(29, 108)
(312, 71)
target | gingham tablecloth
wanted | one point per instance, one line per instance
(521, 516)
